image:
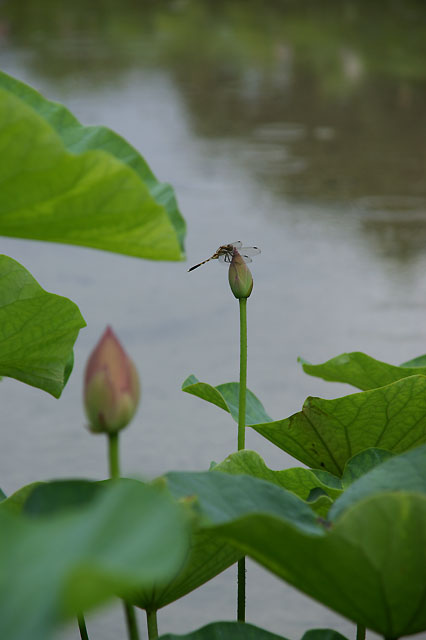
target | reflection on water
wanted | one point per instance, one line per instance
(295, 126)
(396, 225)
(322, 102)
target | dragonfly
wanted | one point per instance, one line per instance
(226, 251)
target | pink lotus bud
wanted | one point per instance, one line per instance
(111, 386)
(240, 278)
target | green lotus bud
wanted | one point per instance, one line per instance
(240, 278)
(111, 386)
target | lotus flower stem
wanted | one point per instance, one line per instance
(243, 374)
(241, 283)
(114, 472)
(151, 619)
(114, 465)
(82, 627)
(241, 597)
(360, 632)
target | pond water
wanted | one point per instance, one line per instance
(296, 127)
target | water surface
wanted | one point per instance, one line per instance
(292, 126)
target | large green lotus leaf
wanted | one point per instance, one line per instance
(319, 493)
(222, 497)
(79, 139)
(79, 185)
(228, 631)
(323, 634)
(297, 480)
(15, 502)
(245, 631)
(56, 566)
(225, 396)
(420, 361)
(217, 498)
(363, 371)
(50, 498)
(362, 463)
(326, 433)
(37, 330)
(320, 503)
(370, 566)
(39, 499)
(406, 472)
(208, 556)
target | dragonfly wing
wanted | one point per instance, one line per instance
(250, 251)
(245, 252)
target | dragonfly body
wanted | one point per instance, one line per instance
(226, 252)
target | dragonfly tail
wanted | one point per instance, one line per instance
(198, 265)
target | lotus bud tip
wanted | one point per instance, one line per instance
(111, 386)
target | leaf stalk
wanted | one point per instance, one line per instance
(82, 627)
(151, 620)
(131, 622)
(360, 632)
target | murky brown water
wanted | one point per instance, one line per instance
(298, 127)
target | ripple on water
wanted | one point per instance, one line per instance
(280, 132)
(394, 209)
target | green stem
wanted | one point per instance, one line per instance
(82, 626)
(114, 464)
(360, 632)
(132, 625)
(243, 374)
(114, 472)
(151, 620)
(241, 596)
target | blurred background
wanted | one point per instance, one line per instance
(298, 127)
